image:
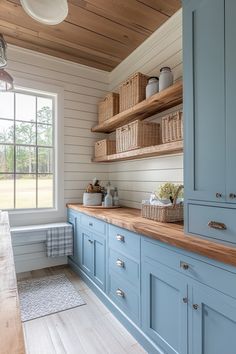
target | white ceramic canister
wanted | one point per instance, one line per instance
(152, 86)
(92, 199)
(166, 78)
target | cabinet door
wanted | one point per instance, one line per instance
(213, 323)
(99, 261)
(230, 57)
(86, 251)
(73, 220)
(164, 307)
(204, 99)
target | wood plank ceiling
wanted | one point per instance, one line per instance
(97, 33)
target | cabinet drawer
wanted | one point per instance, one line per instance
(93, 224)
(210, 222)
(124, 241)
(206, 273)
(124, 296)
(125, 267)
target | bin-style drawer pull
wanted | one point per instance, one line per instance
(120, 263)
(120, 238)
(217, 225)
(184, 265)
(120, 293)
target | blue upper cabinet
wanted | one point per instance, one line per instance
(209, 32)
(230, 59)
(204, 99)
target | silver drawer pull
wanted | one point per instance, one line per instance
(90, 224)
(184, 265)
(120, 238)
(120, 293)
(217, 225)
(120, 263)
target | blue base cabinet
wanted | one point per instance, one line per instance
(172, 301)
(213, 322)
(164, 307)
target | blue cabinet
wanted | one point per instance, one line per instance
(124, 271)
(72, 218)
(213, 324)
(86, 250)
(173, 301)
(204, 99)
(92, 258)
(164, 307)
(209, 31)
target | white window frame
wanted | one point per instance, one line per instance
(57, 213)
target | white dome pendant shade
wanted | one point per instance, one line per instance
(48, 12)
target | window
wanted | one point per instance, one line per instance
(26, 150)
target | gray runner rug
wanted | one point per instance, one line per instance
(47, 295)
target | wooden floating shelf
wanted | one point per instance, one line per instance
(157, 150)
(161, 101)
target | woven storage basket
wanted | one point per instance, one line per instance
(108, 107)
(105, 147)
(172, 127)
(172, 213)
(132, 91)
(136, 135)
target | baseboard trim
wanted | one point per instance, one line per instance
(136, 332)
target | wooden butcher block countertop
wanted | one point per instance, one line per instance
(11, 332)
(170, 233)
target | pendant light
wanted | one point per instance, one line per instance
(48, 12)
(6, 81)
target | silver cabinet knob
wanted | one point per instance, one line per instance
(90, 224)
(218, 195)
(120, 238)
(91, 241)
(217, 225)
(120, 293)
(185, 300)
(232, 196)
(184, 265)
(120, 263)
(195, 306)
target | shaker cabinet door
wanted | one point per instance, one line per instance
(230, 72)
(86, 251)
(213, 322)
(73, 220)
(204, 99)
(164, 307)
(99, 260)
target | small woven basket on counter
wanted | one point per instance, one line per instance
(171, 213)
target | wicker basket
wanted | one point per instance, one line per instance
(108, 107)
(132, 91)
(136, 135)
(172, 127)
(172, 213)
(105, 147)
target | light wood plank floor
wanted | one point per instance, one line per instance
(89, 329)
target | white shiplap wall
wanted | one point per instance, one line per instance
(83, 87)
(136, 179)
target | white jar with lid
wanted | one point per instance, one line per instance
(152, 86)
(166, 78)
